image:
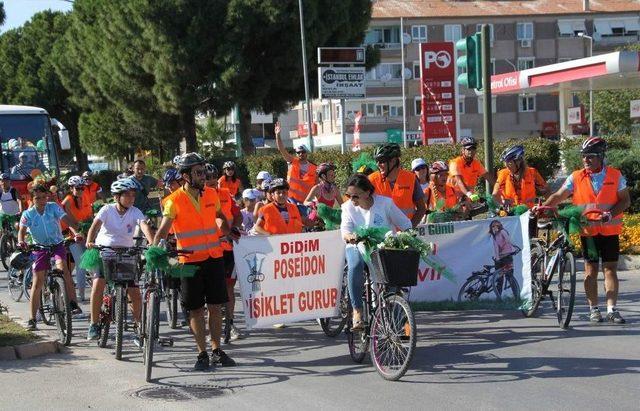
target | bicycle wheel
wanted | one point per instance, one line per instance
(7, 246)
(14, 283)
(121, 307)
(333, 326)
(358, 341)
(393, 337)
(61, 309)
(26, 283)
(106, 313)
(47, 309)
(537, 279)
(566, 289)
(505, 286)
(472, 289)
(151, 335)
(172, 305)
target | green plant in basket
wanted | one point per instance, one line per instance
(406, 240)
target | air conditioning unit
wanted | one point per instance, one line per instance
(525, 43)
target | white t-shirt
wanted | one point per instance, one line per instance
(117, 230)
(7, 204)
(383, 213)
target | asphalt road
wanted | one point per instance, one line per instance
(464, 360)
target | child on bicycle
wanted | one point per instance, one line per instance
(114, 226)
(42, 220)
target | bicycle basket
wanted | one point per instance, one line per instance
(395, 267)
(119, 267)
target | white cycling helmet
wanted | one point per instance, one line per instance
(263, 175)
(76, 181)
(120, 186)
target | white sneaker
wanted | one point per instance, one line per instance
(235, 333)
(279, 325)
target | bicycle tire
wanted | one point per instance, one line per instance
(333, 326)
(564, 317)
(62, 310)
(501, 288)
(26, 283)
(7, 246)
(537, 278)
(46, 309)
(472, 289)
(358, 341)
(104, 334)
(150, 336)
(121, 306)
(14, 285)
(105, 323)
(391, 348)
(172, 304)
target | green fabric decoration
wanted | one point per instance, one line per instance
(520, 209)
(158, 259)
(491, 202)
(370, 237)
(152, 213)
(91, 260)
(330, 216)
(364, 162)
(440, 267)
(576, 222)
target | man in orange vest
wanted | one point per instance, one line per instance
(302, 173)
(518, 183)
(400, 185)
(92, 190)
(233, 216)
(598, 187)
(191, 211)
(465, 170)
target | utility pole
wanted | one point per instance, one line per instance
(488, 113)
(306, 78)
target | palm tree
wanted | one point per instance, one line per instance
(213, 138)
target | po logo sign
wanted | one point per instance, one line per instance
(441, 58)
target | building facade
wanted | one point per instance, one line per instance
(523, 35)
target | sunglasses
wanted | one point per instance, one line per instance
(590, 156)
(352, 196)
(419, 168)
(300, 152)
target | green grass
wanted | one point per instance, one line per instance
(450, 305)
(12, 333)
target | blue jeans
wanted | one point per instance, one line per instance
(355, 275)
(76, 250)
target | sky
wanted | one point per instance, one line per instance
(20, 11)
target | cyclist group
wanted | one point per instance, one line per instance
(201, 213)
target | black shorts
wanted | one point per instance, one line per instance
(607, 247)
(207, 286)
(229, 263)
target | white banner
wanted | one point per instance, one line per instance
(289, 278)
(341, 82)
(464, 247)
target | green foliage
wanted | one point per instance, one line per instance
(212, 138)
(2, 13)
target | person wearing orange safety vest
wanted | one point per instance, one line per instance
(92, 190)
(280, 216)
(230, 179)
(192, 211)
(598, 187)
(400, 185)
(465, 170)
(302, 173)
(518, 183)
(439, 194)
(233, 216)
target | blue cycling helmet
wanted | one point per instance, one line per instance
(171, 175)
(513, 153)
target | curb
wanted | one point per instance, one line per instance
(29, 350)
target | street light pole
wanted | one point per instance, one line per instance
(306, 78)
(590, 85)
(405, 143)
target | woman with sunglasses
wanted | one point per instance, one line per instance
(518, 183)
(365, 209)
(421, 170)
(229, 179)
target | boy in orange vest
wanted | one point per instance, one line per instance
(280, 216)
(400, 185)
(598, 187)
(191, 211)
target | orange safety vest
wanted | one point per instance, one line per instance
(232, 186)
(226, 205)
(469, 173)
(79, 214)
(450, 197)
(300, 185)
(90, 193)
(275, 224)
(402, 193)
(584, 196)
(195, 230)
(527, 187)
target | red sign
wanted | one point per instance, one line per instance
(356, 132)
(502, 83)
(550, 129)
(439, 100)
(302, 129)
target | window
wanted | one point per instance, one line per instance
(382, 109)
(383, 35)
(524, 31)
(389, 71)
(461, 105)
(452, 32)
(419, 34)
(416, 70)
(395, 111)
(481, 107)
(571, 28)
(417, 105)
(368, 109)
(525, 63)
(491, 35)
(526, 104)
(326, 112)
(628, 26)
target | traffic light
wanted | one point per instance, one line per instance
(471, 61)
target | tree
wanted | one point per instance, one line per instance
(261, 52)
(28, 76)
(212, 138)
(2, 14)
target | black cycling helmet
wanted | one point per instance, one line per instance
(211, 170)
(188, 160)
(594, 145)
(469, 142)
(513, 153)
(386, 152)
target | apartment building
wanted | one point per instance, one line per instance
(524, 34)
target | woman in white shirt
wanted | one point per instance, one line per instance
(365, 209)
(114, 226)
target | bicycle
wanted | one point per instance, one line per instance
(55, 302)
(153, 293)
(333, 326)
(489, 280)
(389, 326)
(19, 275)
(8, 239)
(120, 269)
(549, 257)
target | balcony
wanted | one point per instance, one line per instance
(601, 42)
